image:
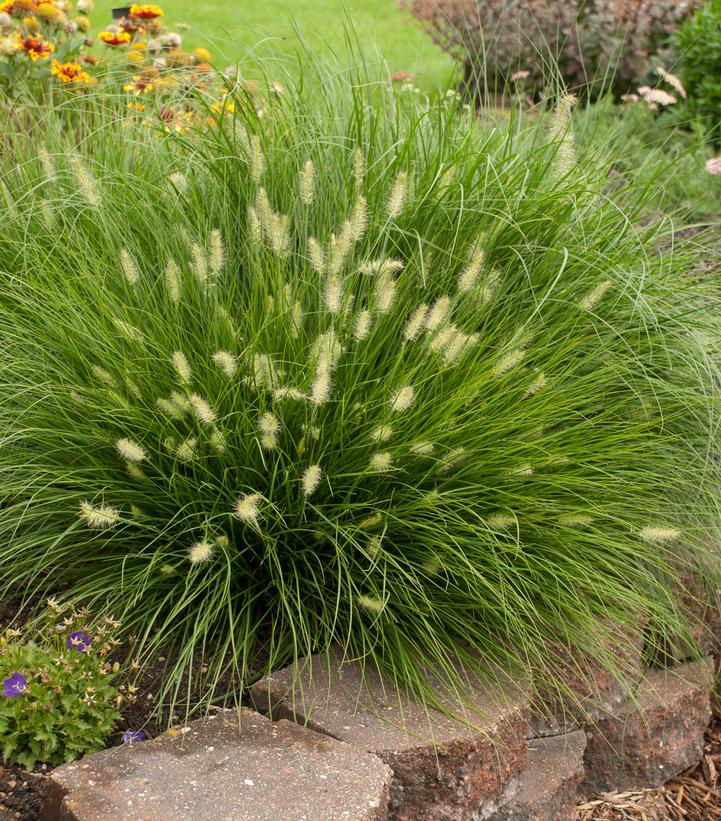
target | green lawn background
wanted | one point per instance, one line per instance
(243, 32)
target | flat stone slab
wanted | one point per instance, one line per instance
(652, 738)
(548, 785)
(227, 767)
(445, 769)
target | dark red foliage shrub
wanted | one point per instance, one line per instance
(595, 43)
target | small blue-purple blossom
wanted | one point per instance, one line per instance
(79, 640)
(14, 686)
(133, 736)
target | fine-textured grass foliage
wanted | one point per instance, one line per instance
(360, 370)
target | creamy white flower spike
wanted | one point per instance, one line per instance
(48, 215)
(98, 517)
(217, 441)
(439, 313)
(452, 459)
(172, 280)
(508, 361)
(397, 196)
(381, 461)
(130, 450)
(199, 263)
(383, 433)
(522, 470)
(403, 398)
(216, 252)
(311, 479)
(657, 533)
(182, 367)
(575, 520)
(204, 413)
(256, 159)
(246, 508)
(333, 295)
(47, 163)
(104, 376)
(340, 248)
(226, 362)
(168, 408)
(200, 552)
(315, 252)
(593, 297)
(359, 166)
(129, 266)
(384, 295)
(362, 325)
(307, 183)
(269, 424)
(422, 448)
(186, 450)
(469, 275)
(321, 388)
(416, 323)
(179, 181)
(501, 521)
(255, 229)
(538, 384)
(371, 603)
(359, 218)
(86, 181)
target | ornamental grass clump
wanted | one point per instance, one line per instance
(352, 369)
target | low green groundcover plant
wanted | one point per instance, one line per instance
(350, 367)
(58, 699)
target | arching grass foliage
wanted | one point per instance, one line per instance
(351, 369)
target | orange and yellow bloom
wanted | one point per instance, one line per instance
(145, 11)
(70, 73)
(140, 85)
(35, 47)
(115, 38)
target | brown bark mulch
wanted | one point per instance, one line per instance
(695, 795)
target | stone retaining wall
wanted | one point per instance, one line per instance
(330, 741)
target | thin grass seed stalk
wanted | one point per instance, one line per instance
(468, 421)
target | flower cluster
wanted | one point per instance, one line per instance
(32, 33)
(58, 699)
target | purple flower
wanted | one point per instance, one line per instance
(14, 686)
(79, 640)
(133, 736)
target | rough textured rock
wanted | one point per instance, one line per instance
(654, 737)
(223, 770)
(548, 786)
(700, 607)
(444, 769)
(591, 690)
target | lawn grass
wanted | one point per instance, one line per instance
(245, 32)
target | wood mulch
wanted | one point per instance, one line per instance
(695, 795)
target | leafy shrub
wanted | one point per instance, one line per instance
(598, 42)
(698, 45)
(361, 370)
(58, 699)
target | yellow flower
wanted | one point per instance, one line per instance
(202, 55)
(31, 25)
(49, 12)
(145, 11)
(115, 38)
